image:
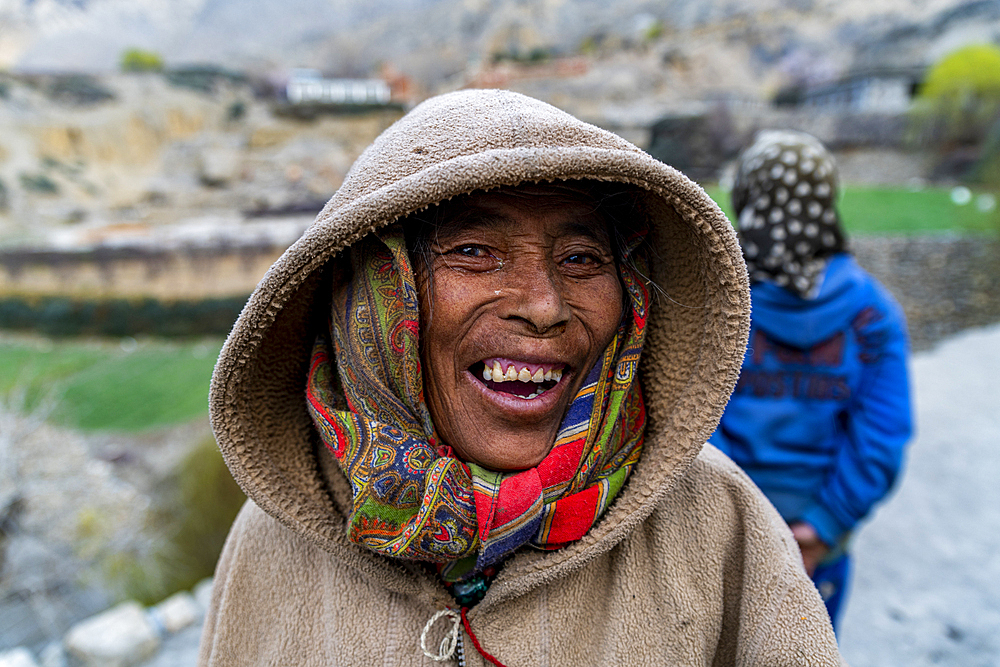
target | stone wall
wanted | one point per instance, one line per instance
(167, 274)
(944, 283)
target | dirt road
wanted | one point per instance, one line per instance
(927, 584)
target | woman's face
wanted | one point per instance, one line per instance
(521, 298)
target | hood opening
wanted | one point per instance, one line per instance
(699, 317)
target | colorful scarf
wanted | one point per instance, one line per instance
(412, 498)
(784, 196)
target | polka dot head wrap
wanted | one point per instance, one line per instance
(784, 195)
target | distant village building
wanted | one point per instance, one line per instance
(872, 91)
(309, 87)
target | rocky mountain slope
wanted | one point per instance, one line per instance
(152, 153)
(434, 39)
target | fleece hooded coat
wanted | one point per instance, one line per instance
(689, 566)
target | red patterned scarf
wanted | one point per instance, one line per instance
(412, 498)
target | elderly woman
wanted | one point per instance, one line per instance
(469, 407)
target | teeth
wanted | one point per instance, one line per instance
(496, 373)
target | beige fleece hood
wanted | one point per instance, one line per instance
(447, 146)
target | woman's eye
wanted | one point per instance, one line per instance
(583, 259)
(471, 257)
(471, 251)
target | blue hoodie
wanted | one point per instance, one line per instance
(821, 412)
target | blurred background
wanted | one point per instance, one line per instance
(156, 156)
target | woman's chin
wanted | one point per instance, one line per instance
(505, 432)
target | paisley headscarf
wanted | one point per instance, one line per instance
(412, 498)
(784, 195)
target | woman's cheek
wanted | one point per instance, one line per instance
(599, 306)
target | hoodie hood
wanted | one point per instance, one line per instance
(802, 323)
(447, 146)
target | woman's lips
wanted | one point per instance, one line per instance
(516, 407)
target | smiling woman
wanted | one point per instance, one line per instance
(471, 430)
(525, 282)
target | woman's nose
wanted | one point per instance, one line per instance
(536, 291)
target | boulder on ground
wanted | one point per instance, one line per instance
(219, 165)
(119, 637)
(18, 657)
(176, 612)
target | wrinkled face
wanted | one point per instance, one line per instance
(520, 298)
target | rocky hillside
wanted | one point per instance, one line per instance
(81, 157)
(433, 40)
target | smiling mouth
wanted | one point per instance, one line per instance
(517, 378)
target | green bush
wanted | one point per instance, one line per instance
(207, 501)
(972, 71)
(535, 56)
(204, 78)
(236, 111)
(139, 60)
(653, 31)
(185, 532)
(960, 98)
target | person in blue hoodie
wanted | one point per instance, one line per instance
(821, 413)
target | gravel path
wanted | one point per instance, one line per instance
(927, 584)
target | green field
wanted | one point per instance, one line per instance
(110, 385)
(870, 210)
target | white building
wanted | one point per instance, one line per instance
(309, 87)
(875, 91)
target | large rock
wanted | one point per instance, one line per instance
(53, 655)
(219, 165)
(19, 657)
(123, 636)
(176, 612)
